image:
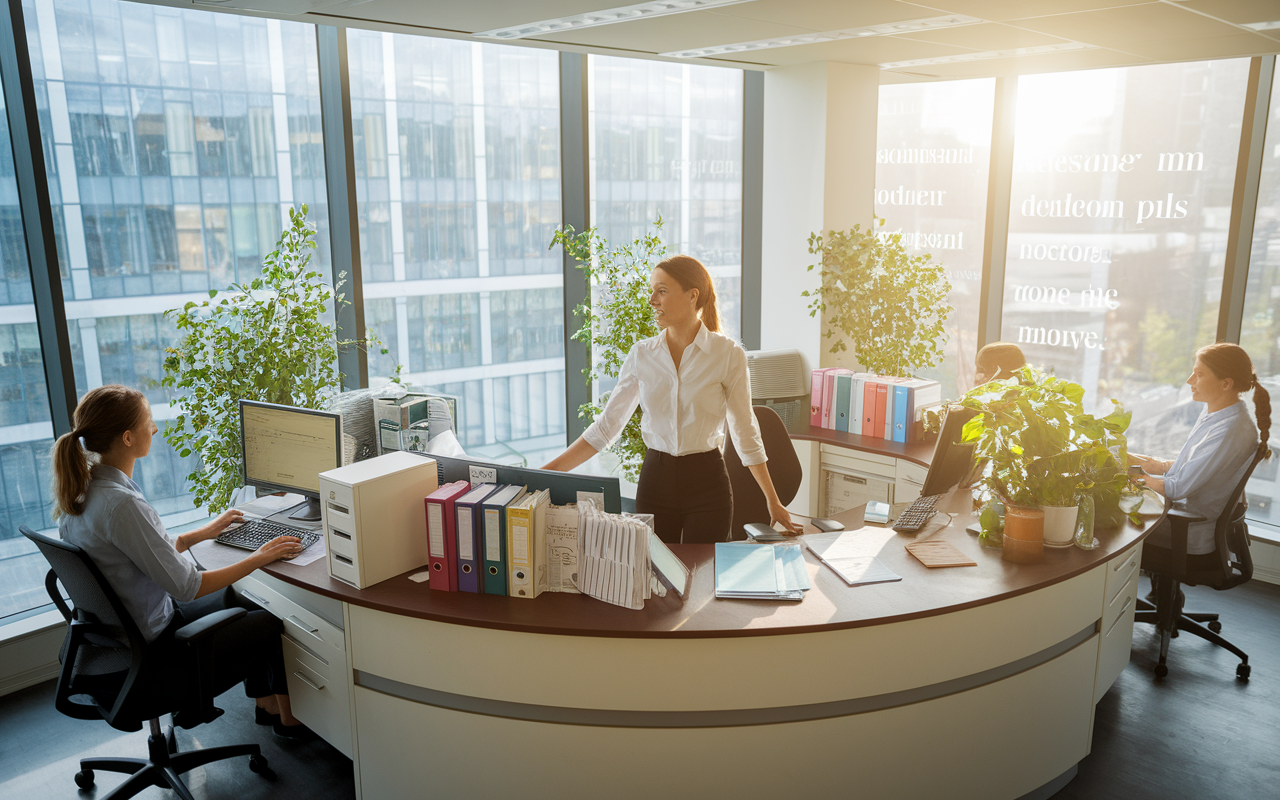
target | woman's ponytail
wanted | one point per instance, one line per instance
(690, 274)
(101, 417)
(70, 475)
(1262, 410)
(1226, 360)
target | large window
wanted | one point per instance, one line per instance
(933, 152)
(457, 160)
(1118, 222)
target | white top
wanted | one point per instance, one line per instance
(685, 410)
(1210, 465)
(123, 536)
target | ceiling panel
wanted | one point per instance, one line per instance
(874, 50)
(829, 15)
(1120, 27)
(1004, 10)
(472, 17)
(1238, 11)
(986, 37)
(1029, 65)
(1242, 44)
(675, 32)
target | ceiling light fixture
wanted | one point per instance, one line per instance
(607, 16)
(1263, 26)
(889, 29)
(1019, 51)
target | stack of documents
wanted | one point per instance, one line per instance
(852, 554)
(749, 571)
(614, 557)
(562, 548)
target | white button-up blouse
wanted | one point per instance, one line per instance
(684, 410)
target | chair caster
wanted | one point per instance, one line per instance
(1215, 626)
(258, 765)
(1242, 672)
(84, 779)
(1161, 670)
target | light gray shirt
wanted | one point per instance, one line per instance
(1210, 465)
(124, 537)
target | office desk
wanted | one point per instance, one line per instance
(971, 682)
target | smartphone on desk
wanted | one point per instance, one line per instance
(759, 532)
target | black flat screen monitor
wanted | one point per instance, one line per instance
(564, 486)
(286, 448)
(952, 462)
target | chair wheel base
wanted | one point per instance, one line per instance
(1215, 626)
(258, 765)
(1242, 672)
(1161, 670)
(84, 779)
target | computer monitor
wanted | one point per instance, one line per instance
(286, 448)
(564, 486)
(952, 462)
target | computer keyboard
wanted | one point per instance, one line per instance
(917, 514)
(255, 533)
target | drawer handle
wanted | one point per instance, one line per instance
(340, 534)
(308, 628)
(1128, 602)
(344, 560)
(303, 678)
(255, 598)
(1123, 564)
(339, 509)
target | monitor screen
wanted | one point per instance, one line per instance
(952, 462)
(564, 486)
(287, 448)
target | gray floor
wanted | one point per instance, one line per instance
(1199, 733)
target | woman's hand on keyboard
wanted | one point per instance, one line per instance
(280, 547)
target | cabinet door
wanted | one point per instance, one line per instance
(318, 694)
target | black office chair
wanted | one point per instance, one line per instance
(749, 504)
(109, 672)
(1233, 566)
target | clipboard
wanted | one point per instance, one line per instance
(671, 570)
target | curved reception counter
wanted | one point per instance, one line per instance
(972, 682)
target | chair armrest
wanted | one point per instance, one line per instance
(1178, 513)
(194, 632)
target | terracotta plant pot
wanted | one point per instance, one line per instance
(1023, 534)
(1059, 525)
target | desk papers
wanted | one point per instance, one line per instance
(852, 554)
(749, 571)
(562, 549)
(614, 553)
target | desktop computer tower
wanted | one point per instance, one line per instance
(372, 511)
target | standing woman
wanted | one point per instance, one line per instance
(102, 511)
(689, 379)
(1218, 451)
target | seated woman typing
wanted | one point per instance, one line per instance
(1218, 451)
(102, 511)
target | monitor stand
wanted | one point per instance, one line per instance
(309, 511)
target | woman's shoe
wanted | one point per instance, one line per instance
(264, 717)
(297, 733)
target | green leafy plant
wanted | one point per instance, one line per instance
(268, 339)
(1042, 447)
(889, 306)
(616, 319)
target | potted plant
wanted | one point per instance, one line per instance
(1043, 450)
(890, 306)
(615, 316)
(269, 339)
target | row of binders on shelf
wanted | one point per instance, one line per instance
(507, 540)
(878, 406)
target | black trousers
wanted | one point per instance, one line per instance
(247, 650)
(689, 496)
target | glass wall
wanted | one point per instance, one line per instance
(1120, 205)
(457, 159)
(933, 153)
(666, 141)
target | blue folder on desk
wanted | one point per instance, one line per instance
(749, 571)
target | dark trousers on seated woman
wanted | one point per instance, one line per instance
(1157, 557)
(247, 650)
(689, 496)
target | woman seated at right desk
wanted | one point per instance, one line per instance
(997, 361)
(1215, 457)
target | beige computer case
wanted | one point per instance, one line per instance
(375, 525)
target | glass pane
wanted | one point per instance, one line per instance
(178, 140)
(26, 433)
(457, 161)
(1118, 231)
(933, 153)
(1260, 328)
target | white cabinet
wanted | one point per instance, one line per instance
(1120, 599)
(848, 478)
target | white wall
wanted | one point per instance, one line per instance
(819, 174)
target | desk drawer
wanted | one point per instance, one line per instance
(1117, 638)
(847, 460)
(306, 626)
(1120, 569)
(319, 693)
(1123, 601)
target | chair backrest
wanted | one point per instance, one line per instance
(1231, 536)
(749, 504)
(98, 620)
